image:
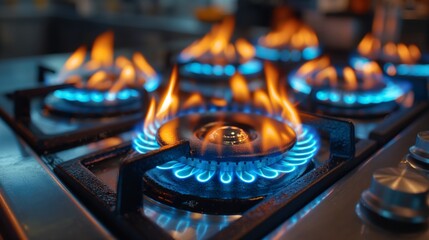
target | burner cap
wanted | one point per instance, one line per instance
(226, 136)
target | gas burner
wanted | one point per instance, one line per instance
(234, 146)
(214, 58)
(242, 157)
(102, 86)
(292, 41)
(77, 102)
(397, 59)
(347, 92)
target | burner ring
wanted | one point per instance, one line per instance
(395, 69)
(248, 124)
(213, 79)
(287, 53)
(96, 98)
(214, 72)
(381, 100)
(247, 169)
(76, 102)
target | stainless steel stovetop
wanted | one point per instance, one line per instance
(35, 202)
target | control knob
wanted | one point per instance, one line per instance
(397, 195)
(419, 153)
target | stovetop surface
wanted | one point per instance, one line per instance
(32, 196)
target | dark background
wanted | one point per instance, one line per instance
(37, 27)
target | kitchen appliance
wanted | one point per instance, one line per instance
(291, 157)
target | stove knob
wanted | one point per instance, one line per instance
(397, 195)
(420, 151)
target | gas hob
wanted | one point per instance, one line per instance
(117, 177)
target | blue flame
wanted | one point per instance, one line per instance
(94, 96)
(286, 55)
(152, 83)
(184, 224)
(250, 67)
(304, 150)
(415, 70)
(392, 91)
(357, 62)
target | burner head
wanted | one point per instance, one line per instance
(228, 169)
(346, 91)
(226, 137)
(222, 175)
(292, 41)
(213, 80)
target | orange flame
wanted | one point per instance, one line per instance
(126, 78)
(99, 81)
(168, 101)
(102, 51)
(292, 33)
(328, 74)
(76, 59)
(270, 137)
(122, 61)
(273, 101)
(261, 100)
(279, 101)
(371, 47)
(319, 72)
(350, 79)
(143, 65)
(219, 102)
(105, 72)
(150, 115)
(216, 46)
(245, 49)
(193, 101)
(239, 88)
(371, 75)
(313, 65)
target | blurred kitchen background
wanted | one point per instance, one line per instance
(38, 27)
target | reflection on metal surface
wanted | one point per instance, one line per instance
(37, 199)
(290, 223)
(184, 224)
(105, 143)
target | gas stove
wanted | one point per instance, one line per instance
(228, 147)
